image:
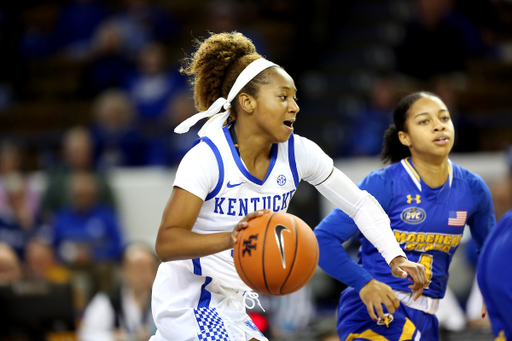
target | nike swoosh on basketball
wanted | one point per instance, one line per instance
(233, 185)
(278, 231)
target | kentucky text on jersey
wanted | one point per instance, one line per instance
(418, 241)
(242, 206)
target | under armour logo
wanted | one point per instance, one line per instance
(248, 245)
(410, 199)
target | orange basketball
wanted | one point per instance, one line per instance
(276, 254)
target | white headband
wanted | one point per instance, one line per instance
(218, 118)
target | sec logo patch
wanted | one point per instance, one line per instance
(281, 180)
(413, 215)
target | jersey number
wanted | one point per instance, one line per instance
(426, 260)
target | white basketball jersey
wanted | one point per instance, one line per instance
(189, 294)
(238, 193)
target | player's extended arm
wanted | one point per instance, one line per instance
(175, 239)
(373, 222)
(337, 263)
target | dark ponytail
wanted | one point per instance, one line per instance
(392, 149)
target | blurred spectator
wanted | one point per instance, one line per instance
(16, 208)
(168, 148)
(141, 21)
(124, 313)
(86, 231)
(108, 66)
(370, 123)
(152, 86)
(10, 158)
(88, 236)
(11, 163)
(77, 156)
(75, 25)
(10, 267)
(431, 32)
(17, 221)
(116, 141)
(41, 263)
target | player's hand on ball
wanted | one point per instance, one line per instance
(242, 224)
(402, 267)
(374, 294)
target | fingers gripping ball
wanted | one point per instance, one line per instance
(277, 254)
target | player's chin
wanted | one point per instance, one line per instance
(444, 148)
(284, 137)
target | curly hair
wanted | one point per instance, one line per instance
(215, 66)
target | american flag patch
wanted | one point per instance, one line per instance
(457, 218)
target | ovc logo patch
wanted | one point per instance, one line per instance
(413, 215)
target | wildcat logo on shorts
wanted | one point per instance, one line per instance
(387, 320)
(413, 215)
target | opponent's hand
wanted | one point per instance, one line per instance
(374, 294)
(402, 267)
(242, 224)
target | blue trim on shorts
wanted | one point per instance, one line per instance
(197, 266)
(206, 296)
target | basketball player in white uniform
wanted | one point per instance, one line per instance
(233, 174)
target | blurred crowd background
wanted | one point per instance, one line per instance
(88, 86)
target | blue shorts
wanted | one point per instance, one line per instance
(354, 323)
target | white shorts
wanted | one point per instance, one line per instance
(190, 307)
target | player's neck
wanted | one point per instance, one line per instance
(254, 151)
(434, 173)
